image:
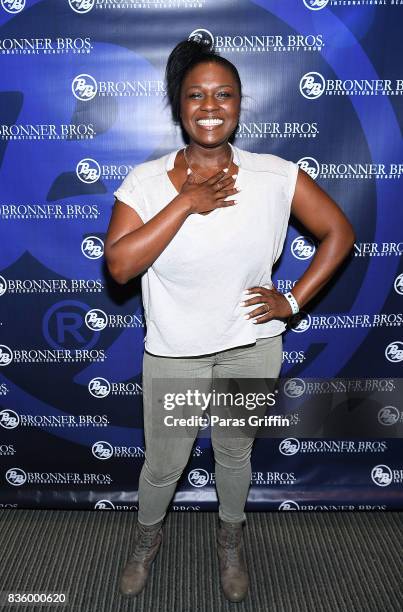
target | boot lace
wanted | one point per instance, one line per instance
(231, 543)
(144, 542)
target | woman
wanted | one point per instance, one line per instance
(203, 226)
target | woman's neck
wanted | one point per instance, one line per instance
(209, 157)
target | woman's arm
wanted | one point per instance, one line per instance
(131, 246)
(316, 210)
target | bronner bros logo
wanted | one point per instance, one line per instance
(383, 475)
(290, 505)
(317, 5)
(378, 249)
(85, 87)
(47, 131)
(273, 478)
(297, 387)
(303, 321)
(89, 171)
(13, 6)
(45, 46)
(107, 504)
(294, 356)
(270, 129)
(313, 85)
(347, 170)
(97, 320)
(51, 285)
(9, 419)
(69, 212)
(100, 388)
(85, 6)
(292, 446)
(8, 355)
(227, 43)
(104, 450)
(18, 477)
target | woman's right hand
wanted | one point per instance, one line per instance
(210, 194)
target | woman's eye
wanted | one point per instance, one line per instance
(224, 94)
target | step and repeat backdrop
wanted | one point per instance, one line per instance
(82, 103)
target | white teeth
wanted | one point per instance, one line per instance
(210, 121)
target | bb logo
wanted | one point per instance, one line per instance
(13, 6)
(398, 284)
(82, 6)
(394, 351)
(9, 419)
(88, 170)
(3, 285)
(6, 355)
(99, 387)
(294, 387)
(302, 247)
(381, 475)
(388, 415)
(300, 322)
(96, 319)
(315, 5)
(288, 504)
(289, 446)
(104, 504)
(84, 87)
(312, 85)
(92, 247)
(16, 477)
(102, 450)
(201, 36)
(198, 478)
(310, 166)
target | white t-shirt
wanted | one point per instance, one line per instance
(192, 291)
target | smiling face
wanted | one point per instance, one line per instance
(210, 103)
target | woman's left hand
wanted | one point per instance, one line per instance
(273, 305)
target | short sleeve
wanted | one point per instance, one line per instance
(292, 180)
(130, 193)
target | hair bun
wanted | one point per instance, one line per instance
(186, 53)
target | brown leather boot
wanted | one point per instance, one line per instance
(233, 571)
(147, 542)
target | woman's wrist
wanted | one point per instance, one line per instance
(292, 302)
(183, 204)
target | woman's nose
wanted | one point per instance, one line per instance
(209, 102)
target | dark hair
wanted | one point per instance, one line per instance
(186, 55)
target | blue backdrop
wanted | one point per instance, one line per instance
(81, 103)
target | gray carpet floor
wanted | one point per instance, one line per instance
(298, 562)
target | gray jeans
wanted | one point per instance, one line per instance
(167, 456)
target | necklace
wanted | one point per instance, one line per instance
(199, 175)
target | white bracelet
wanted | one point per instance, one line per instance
(292, 302)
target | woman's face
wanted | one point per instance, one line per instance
(210, 91)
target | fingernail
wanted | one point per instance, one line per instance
(237, 189)
(254, 321)
(246, 316)
(225, 170)
(234, 176)
(246, 291)
(188, 171)
(242, 303)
